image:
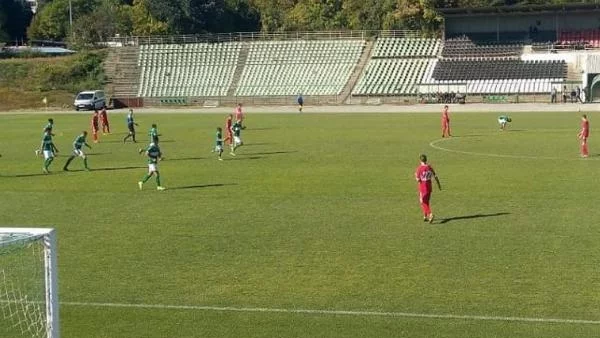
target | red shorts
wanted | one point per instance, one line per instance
(424, 197)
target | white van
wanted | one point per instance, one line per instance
(90, 99)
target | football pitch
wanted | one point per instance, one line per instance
(314, 229)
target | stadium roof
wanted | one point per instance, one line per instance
(41, 50)
(520, 10)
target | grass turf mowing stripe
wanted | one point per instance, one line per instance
(336, 312)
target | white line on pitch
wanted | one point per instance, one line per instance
(336, 312)
(434, 145)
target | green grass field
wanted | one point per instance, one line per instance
(318, 212)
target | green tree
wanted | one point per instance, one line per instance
(52, 20)
(273, 13)
(239, 16)
(111, 17)
(188, 16)
(144, 23)
(370, 17)
(310, 15)
(415, 15)
(14, 19)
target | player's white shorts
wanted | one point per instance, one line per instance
(218, 149)
(48, 154)
(502, 121)
(78, 152)
(152, 167)
(237, 141)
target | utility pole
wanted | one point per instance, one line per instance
(71, 17)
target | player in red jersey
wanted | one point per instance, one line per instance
(239, 115)
(445, 122)
(423, 175)
(95, 128)
(228, 124)
(104, 121)
(583, 135)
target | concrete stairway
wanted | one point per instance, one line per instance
(122, 72)
(239, 69)
(358, 70)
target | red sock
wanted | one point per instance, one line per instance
(426, 209)
(584, 149)
(95, 135)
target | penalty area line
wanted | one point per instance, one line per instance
(336, 312)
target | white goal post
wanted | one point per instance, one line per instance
(28, 283)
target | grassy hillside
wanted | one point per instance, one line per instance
(25, 82)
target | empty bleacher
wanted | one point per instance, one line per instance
(391, 76)
(396, 65)
(316, 67)
(496, 76)
(405, 47)
(464, 47)
(498, 69)
(195, 69)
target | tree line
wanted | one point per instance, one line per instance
(96, 20)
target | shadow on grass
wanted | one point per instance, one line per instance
(97, 154)
(116, 168)
(242, 158)
(269, 153)
(33, 175)
(201, 186)
(458, 218)
(186, 159)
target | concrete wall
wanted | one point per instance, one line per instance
(521, 23)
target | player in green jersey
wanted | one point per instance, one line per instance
(219, 143)
(236, 128)
(48, 148)
(78, 151)
(503, 120)
(50, 126)
(154, 155)
(153, 133)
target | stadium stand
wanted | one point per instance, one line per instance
(494, 76)
(314, 67)
(406, 47)
(391, 76)
(396, 65)
(589, 38)
(464, 47)
(195, 69)
(482, 69)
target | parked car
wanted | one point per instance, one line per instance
(89, 100)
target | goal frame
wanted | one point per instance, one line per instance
(48, 238)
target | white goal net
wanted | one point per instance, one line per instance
(28, 283)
